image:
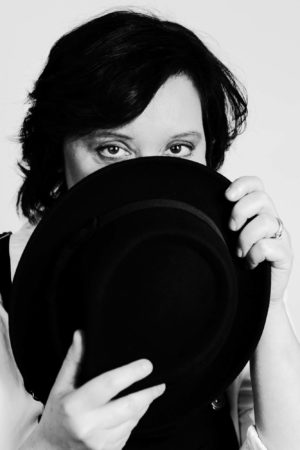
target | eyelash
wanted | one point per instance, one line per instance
(99, 149)
(189, 146)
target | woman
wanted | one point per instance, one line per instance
(122, 86)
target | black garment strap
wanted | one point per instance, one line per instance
(5, 274)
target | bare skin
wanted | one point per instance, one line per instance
(87, 418)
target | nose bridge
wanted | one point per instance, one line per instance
(149, 150)
(150, 145)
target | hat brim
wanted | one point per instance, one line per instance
(102, 192)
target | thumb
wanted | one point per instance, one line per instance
(65, 379)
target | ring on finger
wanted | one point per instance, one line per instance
(279, 231)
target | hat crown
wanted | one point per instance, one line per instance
(139, 256)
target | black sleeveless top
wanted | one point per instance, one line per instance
(208, 427)
(5, 275)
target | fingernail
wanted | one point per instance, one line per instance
(230, 193)
(146, 365)
(160, 389)
(76, 337)
(233, 225)
(239, 252)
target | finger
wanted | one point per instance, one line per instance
(129, 408)
(103, 388)
(272, 250)
(242, 186)
(66, 377)
(249, 206)
(261, 227)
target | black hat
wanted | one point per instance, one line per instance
(139, 256)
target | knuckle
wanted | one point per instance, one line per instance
(255, 250)
(258, 180)
(74, 423)
(241, 179)
(263, 196)
(261, 245)
(77, 430)
(261, 249)
(266, 222)
(80, 435)
(108, 380)
(67, 407)
(265, 219)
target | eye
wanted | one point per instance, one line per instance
(181, 150)
(112, 152)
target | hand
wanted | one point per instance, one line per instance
(87, 418)
(255, 241)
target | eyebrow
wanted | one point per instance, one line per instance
(114, 134)
(188, 133)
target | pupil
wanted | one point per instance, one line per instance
(113, 150)
(176, 149)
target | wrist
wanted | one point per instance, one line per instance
(35, 441)
(278, 337)
(277, 304)
(277, 296)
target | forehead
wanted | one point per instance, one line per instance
(175, 106)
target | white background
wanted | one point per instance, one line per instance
(259, 40)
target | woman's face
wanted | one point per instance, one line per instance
(171, 125)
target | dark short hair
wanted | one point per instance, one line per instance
(103, 74)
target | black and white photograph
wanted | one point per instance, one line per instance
(149, 225)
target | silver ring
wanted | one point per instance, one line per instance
(279, 232)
